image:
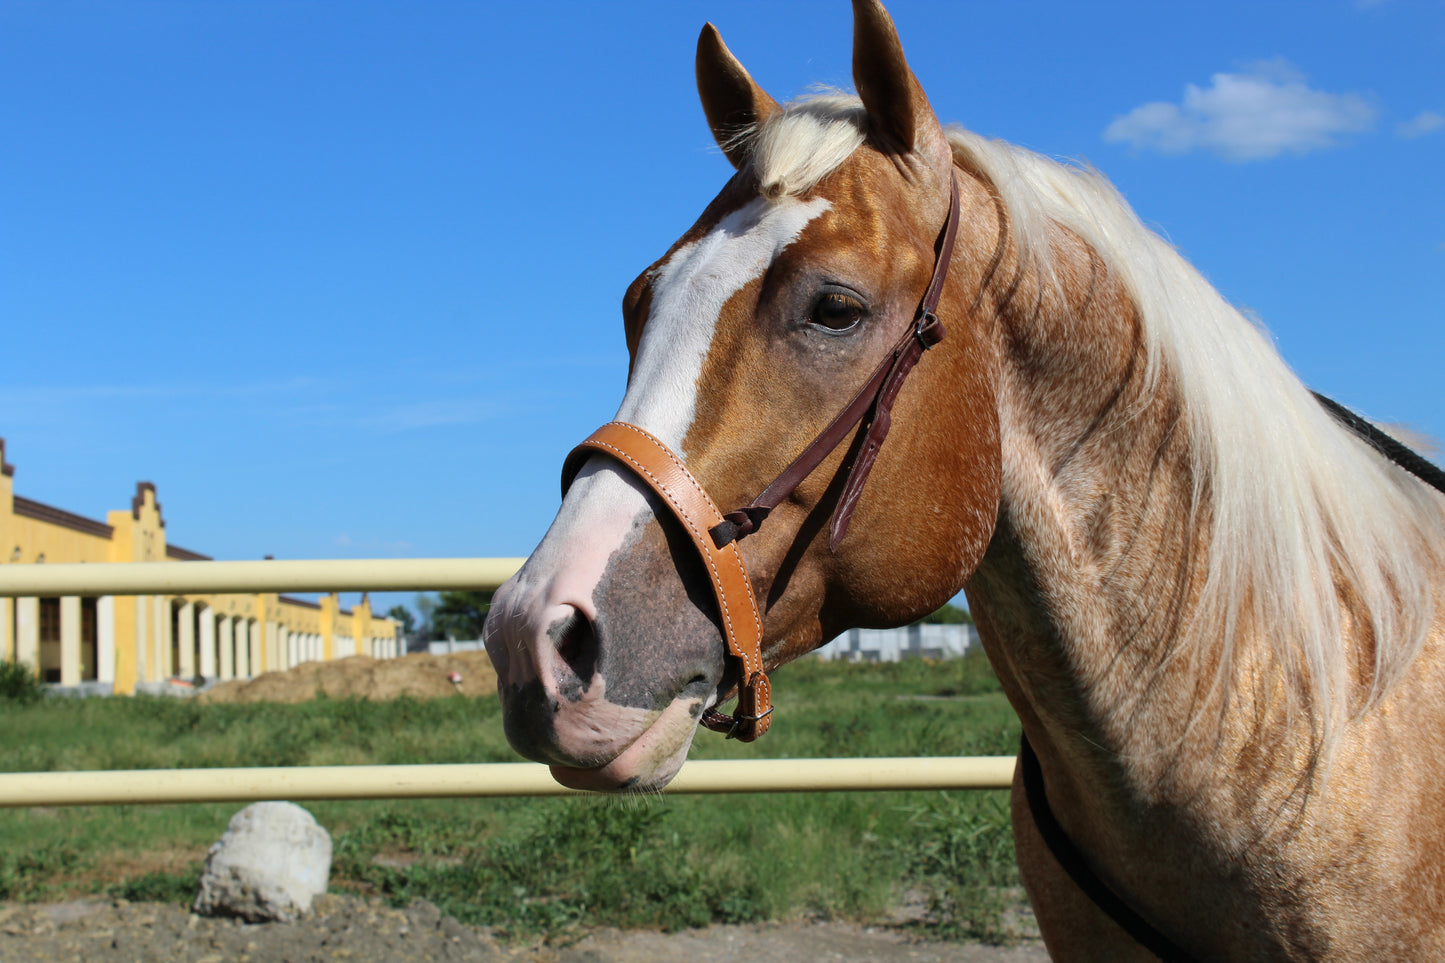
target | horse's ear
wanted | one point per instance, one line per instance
(734, 104)
(898, 110)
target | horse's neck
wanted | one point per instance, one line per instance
(1097, 556)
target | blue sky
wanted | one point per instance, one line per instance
(342, 278)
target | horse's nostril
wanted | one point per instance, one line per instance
(576, 644)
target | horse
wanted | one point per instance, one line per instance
(1214, 607)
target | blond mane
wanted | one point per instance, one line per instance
(1301, 510)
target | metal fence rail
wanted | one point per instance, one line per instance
(496, 779)
(271, 575)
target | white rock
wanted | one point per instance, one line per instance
(272, 861)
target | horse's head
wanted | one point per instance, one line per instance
(746, 338)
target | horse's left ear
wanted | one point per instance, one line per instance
(898, 110)
(732, 100)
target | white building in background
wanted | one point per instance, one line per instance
(855, 645)
(911, 641)
(450, 646)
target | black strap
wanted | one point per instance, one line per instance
(1071, 860)
(1391, 448)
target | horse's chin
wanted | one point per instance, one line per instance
(649, 762)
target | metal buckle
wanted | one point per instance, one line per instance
(926, 321)
(738, 720)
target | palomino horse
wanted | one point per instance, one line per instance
(1212, 606)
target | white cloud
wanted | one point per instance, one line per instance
(1264, 111)
(1425, 122)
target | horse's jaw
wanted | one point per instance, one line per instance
(595, 742)
(649, 762)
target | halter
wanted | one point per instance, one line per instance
(715, 535)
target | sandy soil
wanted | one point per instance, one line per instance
(420, 676)
(350, 928)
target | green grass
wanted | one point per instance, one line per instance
(550, 868)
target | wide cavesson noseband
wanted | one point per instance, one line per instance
(715, 535)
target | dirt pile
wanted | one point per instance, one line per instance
(420, 676)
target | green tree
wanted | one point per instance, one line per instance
(426, 606)
(461, 615)
(403, 615)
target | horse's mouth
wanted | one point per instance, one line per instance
(648, 762)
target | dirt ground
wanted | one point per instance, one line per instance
(350, 928)
(420, 676)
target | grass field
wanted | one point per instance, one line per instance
(545, 867)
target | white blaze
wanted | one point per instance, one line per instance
(688, 294)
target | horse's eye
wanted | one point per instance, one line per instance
(837, 312)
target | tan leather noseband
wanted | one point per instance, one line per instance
(662, 471)
(715, 535)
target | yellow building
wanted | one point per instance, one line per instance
(123, 643)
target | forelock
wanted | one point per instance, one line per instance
(804, 142)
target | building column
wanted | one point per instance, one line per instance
(159, 638)
(187, 625)
(258, 647)
(27, 632)
(142, 639)
(105, 639)
(164, 631)
(70, 640)
(227, 646)
(7, 629)
(243, 648)
(207, 641)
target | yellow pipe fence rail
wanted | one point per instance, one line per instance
(150, 786)
(271, 575)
